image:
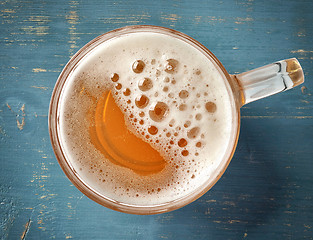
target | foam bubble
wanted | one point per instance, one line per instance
(145, 84)
(153, 130)
(198, 116)
(158, 111)
(126, 92)
(182, 142)
(185, 153)
(210, 107)
(171, 66)
(138, 66)
(182, 107)
(193, 133)
(183, 94)
(114, 77)
(142, 101)
(118, 86)
(187, 124)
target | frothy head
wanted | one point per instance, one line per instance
(157, 111)
(171, 97)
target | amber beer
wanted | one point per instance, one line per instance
(145, 118)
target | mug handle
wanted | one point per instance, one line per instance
(268, 80)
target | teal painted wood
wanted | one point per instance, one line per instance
(266, 193)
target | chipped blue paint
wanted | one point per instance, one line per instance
(266, 193)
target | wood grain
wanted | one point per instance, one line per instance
(266, 193)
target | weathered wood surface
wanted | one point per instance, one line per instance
(266, 193)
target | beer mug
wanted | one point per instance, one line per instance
(145, 119)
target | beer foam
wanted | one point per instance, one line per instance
(172, 97)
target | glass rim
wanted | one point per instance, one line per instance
(53, 121)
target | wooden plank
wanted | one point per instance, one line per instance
(266, 193)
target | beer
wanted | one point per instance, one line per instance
(145, 118)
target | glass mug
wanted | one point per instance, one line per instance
(71, 130)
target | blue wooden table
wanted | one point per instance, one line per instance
(267, 191)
